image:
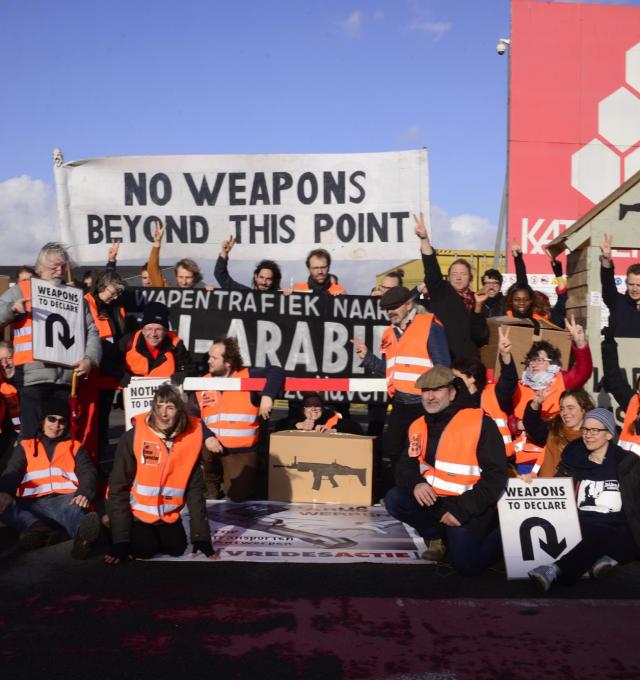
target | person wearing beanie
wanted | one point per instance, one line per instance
(607, 481)
(156, 351)
(50, 481)
(317, 417)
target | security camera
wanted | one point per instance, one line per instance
(501, 47)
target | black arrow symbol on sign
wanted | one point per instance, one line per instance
(65, 338)
(551, 547)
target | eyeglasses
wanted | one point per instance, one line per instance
(539, 360)
(593, 430)
(56, 419)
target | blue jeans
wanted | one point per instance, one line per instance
(57, 507)
(470, 551)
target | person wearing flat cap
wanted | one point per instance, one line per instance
(607, 482)
(411, 345)
(154, 350)
(49, 482)
(450, 476)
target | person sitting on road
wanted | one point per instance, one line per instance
(450, 476)
(49, 482)
(156, 473)
(315, 417)
(606, 479)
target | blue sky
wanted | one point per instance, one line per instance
(285, 76)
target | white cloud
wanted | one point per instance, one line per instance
(352, 25)
(435, 28)
(27, 218)
(464, 232)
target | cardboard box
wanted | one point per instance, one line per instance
(318, 467)
(522, 336)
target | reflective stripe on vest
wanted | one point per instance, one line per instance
(456, 467)
(138, 364)
(490, 405)
(527, 452)
(629, 440)
(22, 330)
(407, 358)
(160, 483)
(43, 476)
(231, 416)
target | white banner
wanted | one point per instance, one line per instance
(269, 531)
(357, 206)
(538, 523)
(58, 323)
(138, 395)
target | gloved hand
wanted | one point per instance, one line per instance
(204, 547)
(119, 552)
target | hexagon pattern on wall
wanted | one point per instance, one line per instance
(600, 166)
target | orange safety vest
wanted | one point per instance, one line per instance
(231, 416)
(407, 358)
(23, 331)
(489, 404)
(12, 401)
(456, 467)
(160, 483)
(629, 440)
(526, 452)
(550, 406)
(334, 288)
(333, 421)
(101, 322)
(138, 364)
(43, 476)
(538, 318)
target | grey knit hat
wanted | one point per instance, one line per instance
(603, 416)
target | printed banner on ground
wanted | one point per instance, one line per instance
(357, 206)
(265, 531)
(538, 523)
(307, 335)
(58, 323)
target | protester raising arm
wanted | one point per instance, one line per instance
(153, 265)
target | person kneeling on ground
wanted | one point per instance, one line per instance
(450, 477)
(317, 418)
(607, 480)
(54, 481)
(156, 473)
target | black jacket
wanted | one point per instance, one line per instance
(628, 464)
(466, 331)
(474, 508)
(121, 480)
(624, 320)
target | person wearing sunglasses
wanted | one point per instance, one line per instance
(50, 482)
(607, 482)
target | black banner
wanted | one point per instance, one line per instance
(308, 335)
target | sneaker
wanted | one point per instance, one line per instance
(603, 566)
(436, 550)
(544, 576)
(86, 536)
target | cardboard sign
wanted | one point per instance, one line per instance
(315, 467)
(137, 397)
(522, 336)
(58, 323)
(538, 523)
